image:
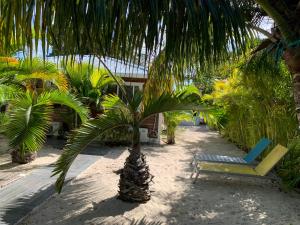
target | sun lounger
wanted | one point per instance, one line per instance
(248, 159)
(262, 169)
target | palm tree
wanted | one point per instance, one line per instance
(30, 107)
(285, 38)
(172, 120)
(32, 74)
(29, 117)
(125, 114)
(88, 84)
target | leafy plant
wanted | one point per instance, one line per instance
(30, 105)
(28, 120)
(89, 84)
(32, 74)
(257, 102)
(172, 120)
(120, 114)
(289, 169)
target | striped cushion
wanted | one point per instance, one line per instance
(219, 158)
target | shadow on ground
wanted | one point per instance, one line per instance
(22, 206)
(95, 148)
(213, 199)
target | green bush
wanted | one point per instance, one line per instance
(115, 137)
(256, 101)
(289, 170)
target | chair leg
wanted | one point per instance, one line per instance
(192, 174)
(193, 161)
(197, 175)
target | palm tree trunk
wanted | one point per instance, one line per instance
(292, 59)
(170, 137)
(135, 177)
(22, 157)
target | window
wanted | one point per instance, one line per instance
(130, 89)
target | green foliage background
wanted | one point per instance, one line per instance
(255, 100)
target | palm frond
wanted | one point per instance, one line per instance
(28, 122)
(100, 78)
(85, 135)
(37, 65)
(186, 99)
(136, 101)
(58, 79)
(204, 29)
(67, 99)
(8, 92)
(43, 70)
(112, 101)
(3, 121)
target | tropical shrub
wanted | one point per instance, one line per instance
(29, 89)
(29, 117)
(89, 84)
(172, 120)
(256, 101)
(289, 169)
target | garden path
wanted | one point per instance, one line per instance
(214, 199)
(30, 185)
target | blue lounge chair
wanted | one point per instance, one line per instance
(248, 159)
(261, 170)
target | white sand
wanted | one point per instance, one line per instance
(214, 199)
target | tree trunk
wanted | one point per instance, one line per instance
(18, 157)
(135, 177)
(170, 137)
(292, 59)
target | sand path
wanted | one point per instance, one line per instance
(214, 199)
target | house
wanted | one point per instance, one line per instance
(134, 77)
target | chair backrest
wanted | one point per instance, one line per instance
(271, 159)
(257, 150)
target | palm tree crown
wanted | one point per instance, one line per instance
(126, 115)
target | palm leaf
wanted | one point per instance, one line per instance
(8, 92)
(186, 99)
(100, 78)
(188, 30)
(58, 79)
(43, 70)
(28, 122)
(85, 135)
(67, 99)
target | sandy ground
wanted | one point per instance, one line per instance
(214, 199)
(10, 172)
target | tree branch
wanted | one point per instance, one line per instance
(282, 24)
(264, 32)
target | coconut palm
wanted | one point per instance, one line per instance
(125, 114)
